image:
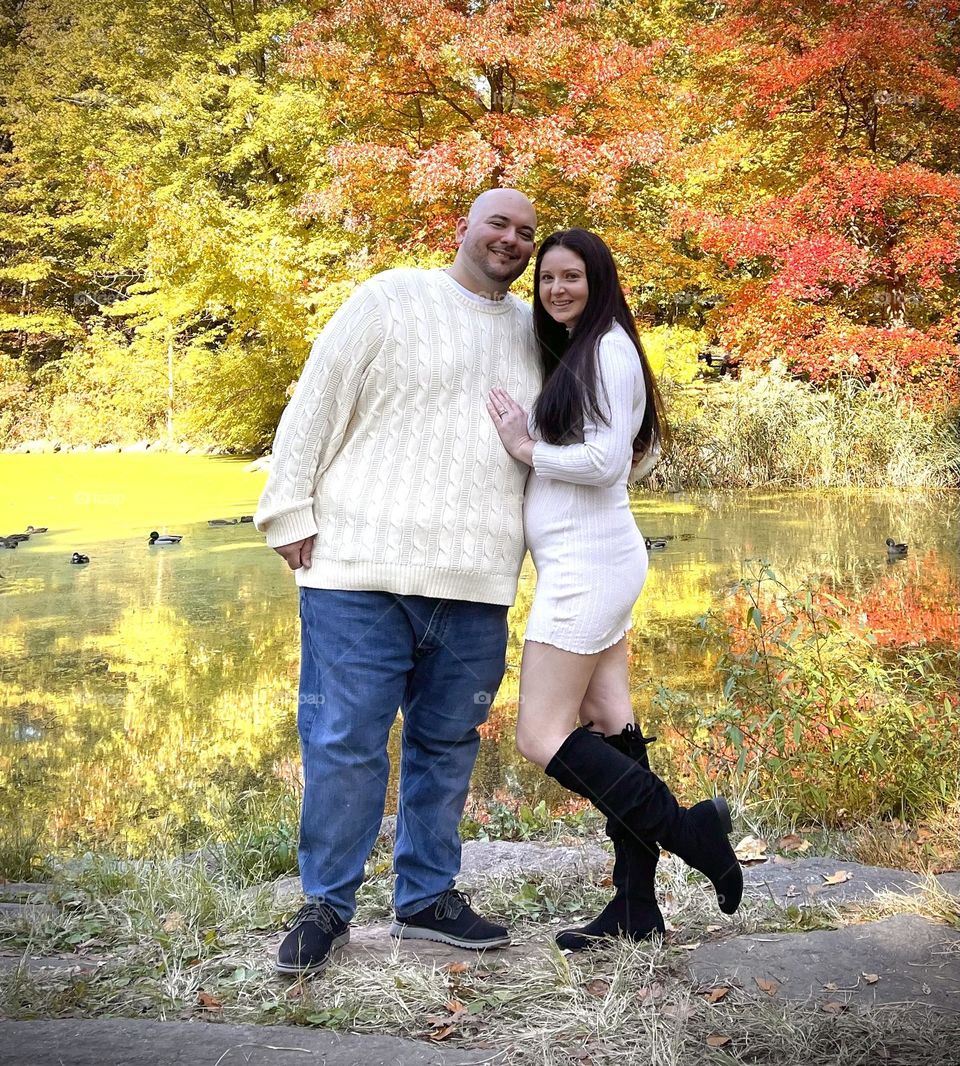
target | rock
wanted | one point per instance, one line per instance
(914, 961)
(487, 860)
(38, 447)
(136, 1042)
(18, 912)
(20, 889)
(70, 965)
(484, 861)
(794, 882)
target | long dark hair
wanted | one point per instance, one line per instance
(569, 361)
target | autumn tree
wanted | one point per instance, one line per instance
(825, 158)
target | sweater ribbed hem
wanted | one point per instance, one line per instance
(500, 588)
(289, 527)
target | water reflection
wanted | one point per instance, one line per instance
(147, 694)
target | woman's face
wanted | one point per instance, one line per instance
(563, 285)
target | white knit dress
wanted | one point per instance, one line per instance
(590, 556)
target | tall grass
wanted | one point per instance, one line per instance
(773, 430)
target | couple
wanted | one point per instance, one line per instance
(401, 493)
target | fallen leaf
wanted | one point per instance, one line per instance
(714, 928)
(716, 994)
(680, 1011)
(457, 967)
(690, 947)
(770, 987)
(833, 1006)
(207, 1002)
(793, 842)
(294, 991)
(838, 878)
(871, 978)
(718, 1040)
(454, 1006)
(924, 834)
(173, 922)
(751, 849)
(443, 1033)
(597, 987)
(650, 993)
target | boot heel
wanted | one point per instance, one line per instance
(724, 811)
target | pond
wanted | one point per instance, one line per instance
(146, 697)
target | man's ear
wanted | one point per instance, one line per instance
(461, 230)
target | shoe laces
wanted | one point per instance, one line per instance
(450, 903)
(321, 913)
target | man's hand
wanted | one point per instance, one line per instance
(297, 554)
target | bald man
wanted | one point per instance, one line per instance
(392, 500)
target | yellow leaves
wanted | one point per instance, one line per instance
(718, 993)
(718, 1040)
(767, 985)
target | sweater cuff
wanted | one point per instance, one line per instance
(290, 527)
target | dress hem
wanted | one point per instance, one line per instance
(580, 651)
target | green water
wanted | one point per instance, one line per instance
(149, 696)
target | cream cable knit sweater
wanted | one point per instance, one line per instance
(386, 451)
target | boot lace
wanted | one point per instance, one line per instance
(450, 904)
(321, 913)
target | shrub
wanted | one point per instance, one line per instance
(828, 723)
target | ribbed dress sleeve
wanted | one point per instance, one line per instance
(312, 427)
(607, 450)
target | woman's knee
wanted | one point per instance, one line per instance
(537, 746)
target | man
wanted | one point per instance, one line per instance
(391, 497)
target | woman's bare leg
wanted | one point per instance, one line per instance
(553, 683)
(606, 703)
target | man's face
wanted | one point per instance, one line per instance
(497, 239)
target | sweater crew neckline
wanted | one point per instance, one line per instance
(484, 306)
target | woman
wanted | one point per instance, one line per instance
(598, 409)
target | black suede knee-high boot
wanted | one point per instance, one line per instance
(633, 912)
(639, 801)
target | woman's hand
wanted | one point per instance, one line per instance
(510, 421)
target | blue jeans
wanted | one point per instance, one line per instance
(364, 655)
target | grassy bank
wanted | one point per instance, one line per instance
(771, 430)
(194, 939)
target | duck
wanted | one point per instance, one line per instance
(223, 521)
(9, 542)
(655, 544)
(78, 558)
(37, 529)
(166, 538)
(246, 518)
(896, 549)
(17, 537)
